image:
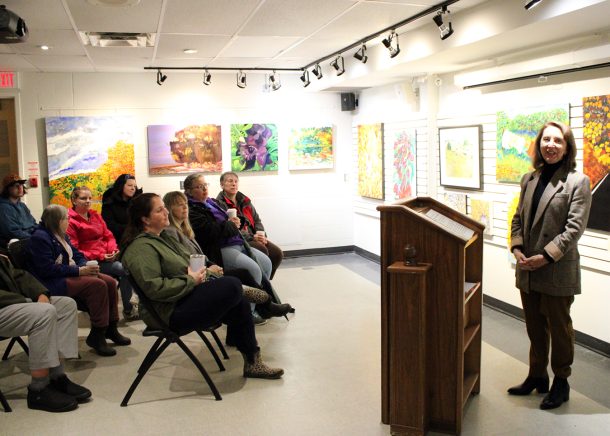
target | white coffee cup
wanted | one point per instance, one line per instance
(260, 233)
(232, 213)
(197, 262)
(91, 263)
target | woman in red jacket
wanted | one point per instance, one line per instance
(88, 232)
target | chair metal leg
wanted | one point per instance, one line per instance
(4, 403)
(200, 368)
(219, 343)
(23, 345)
(152, 355)
(208, 344)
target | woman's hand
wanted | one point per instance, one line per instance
(198, 276)
(519, 256)
(260, 237)
(42, 298)
(110, 257)
(532, 263)
(215, 269)
(88, 270)
(235, 221)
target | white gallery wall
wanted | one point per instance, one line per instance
(300, 209)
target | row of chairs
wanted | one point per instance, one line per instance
(164, 334)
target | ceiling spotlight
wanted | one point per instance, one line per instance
(305, 78)
(361, 54)
(241, 79)
(446, 30)
(391, 43)
(317, 71)
(160, 77)
(529, 4)
(274, 81)
(207, 77)
(339, 65)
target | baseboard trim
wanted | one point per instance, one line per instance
(319, 251)
(367, 255)
(581, 338)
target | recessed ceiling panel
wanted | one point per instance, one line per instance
(60, 63)
(119, 53)
(143, 17)
(172, 46)
(40, 14)
(61, 42)
(258, 46)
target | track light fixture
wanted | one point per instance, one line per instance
(446, 30)
(317, 71)
(241, 79)
(160, 77)
(305, 78)
(361, 54)
(207, 77)
(274, 81)
(391, 43)
(339, 65)
(529, 4)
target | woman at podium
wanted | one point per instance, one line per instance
(551, 217)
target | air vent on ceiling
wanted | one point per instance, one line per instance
(118, 39)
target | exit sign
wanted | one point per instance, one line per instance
(7, 79)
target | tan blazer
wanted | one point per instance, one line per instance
(561, 219)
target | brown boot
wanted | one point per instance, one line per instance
(255, 295)
(254, 367)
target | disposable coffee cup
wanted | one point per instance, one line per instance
(91, 263)
(232, 213)
(260, 233)
(197, 262)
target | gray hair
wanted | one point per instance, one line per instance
(52, 216)
(190, 181)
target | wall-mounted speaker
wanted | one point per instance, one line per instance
(348, 101)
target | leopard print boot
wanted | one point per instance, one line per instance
(255, 295)
(255, 368)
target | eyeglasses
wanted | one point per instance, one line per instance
(201, 186)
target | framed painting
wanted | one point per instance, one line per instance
(310, 148)
(87, 151)
(370, 161)
(180, 150)
(460, 156)
(515, 136)
(596, 158)
(482, 210)
(404, 177)
(454, 201)
(254, 147)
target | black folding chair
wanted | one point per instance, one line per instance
(9, 347)
(166, 336)
(4, 403)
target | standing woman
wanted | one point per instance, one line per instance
(62, 269)
(90, 235)
(551, 217)
(252, 228)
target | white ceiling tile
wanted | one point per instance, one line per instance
(12, 62)
(108, 53)
(210, 17)
(143, 17)
(294, 17)
(318, 47)
(238, 62)
(258, 46)
(172, 46)
(61, 42)
(65, 63)
(183, 63)
(40, 14)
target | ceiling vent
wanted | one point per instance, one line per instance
(118, 39)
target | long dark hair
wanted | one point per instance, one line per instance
(569, 160)
(140, 207)
(116, 190)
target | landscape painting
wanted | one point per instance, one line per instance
(454, 201)
(481, 210)
(404, 178)
(254, 147)
(460, 156)
(370, 161)
(310, 148)
(89, 151)
(515, 135)
(179, 150)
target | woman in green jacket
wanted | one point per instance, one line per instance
(182, 297)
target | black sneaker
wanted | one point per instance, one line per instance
(65, 385)
(50, 400)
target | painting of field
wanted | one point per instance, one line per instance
(515, 135)
(310, 148)
(454, 201)
(370, 161)
(254, 147)
(404, 177)
(460, 158)
(481, 210)
(90, 151)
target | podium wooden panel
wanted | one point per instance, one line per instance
(431, 316)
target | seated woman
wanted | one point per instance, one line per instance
(182, 297)
(90, 235)
(115, 203)
(51, 326)
(252, 228)
(179, 228)
(62, 269)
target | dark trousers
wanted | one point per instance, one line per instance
(99, 294)
(274, 253)
(215, 301)
(548, 322)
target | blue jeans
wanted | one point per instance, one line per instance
(235, 257)
(116, 270)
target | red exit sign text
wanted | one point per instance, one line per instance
(7, 79)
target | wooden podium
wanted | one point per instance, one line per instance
(430, 316)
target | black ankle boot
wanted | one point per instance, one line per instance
(560, 393)
(97, 341)
(113, 334)
(541, 384)
(271, 309)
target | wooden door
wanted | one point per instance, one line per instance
(8, 138)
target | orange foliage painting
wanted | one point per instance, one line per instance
(89, 151)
